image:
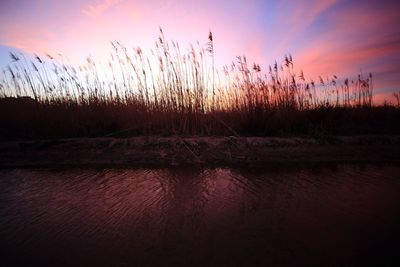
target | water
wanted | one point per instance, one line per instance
(337, 215)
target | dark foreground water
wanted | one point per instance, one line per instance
(343, 215)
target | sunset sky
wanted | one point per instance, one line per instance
(325, 37)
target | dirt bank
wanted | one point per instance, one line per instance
(213, 151)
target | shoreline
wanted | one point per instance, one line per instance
(155, 151)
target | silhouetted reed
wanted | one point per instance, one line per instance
(168, 91)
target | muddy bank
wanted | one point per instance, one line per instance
(212, 151)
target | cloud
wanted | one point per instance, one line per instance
(307, 12)
(356, 38)
(98, 9)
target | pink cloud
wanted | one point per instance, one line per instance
(25, 39)
(385, 97)
(96, 10)
(359, 38)
(296, 17)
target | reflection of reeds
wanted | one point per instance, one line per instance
(169, 91)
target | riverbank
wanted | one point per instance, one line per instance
(210, 151)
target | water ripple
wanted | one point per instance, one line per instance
(214, 215)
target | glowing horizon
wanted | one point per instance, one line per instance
(328, 37)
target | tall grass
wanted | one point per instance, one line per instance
(167, 91)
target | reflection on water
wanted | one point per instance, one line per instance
(184, 217)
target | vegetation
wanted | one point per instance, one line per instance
(169, 92)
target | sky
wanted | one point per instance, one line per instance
(325, 37)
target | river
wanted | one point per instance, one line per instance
(319, 215)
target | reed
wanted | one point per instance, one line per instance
(168, 91)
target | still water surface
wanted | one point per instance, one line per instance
(337, 215)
